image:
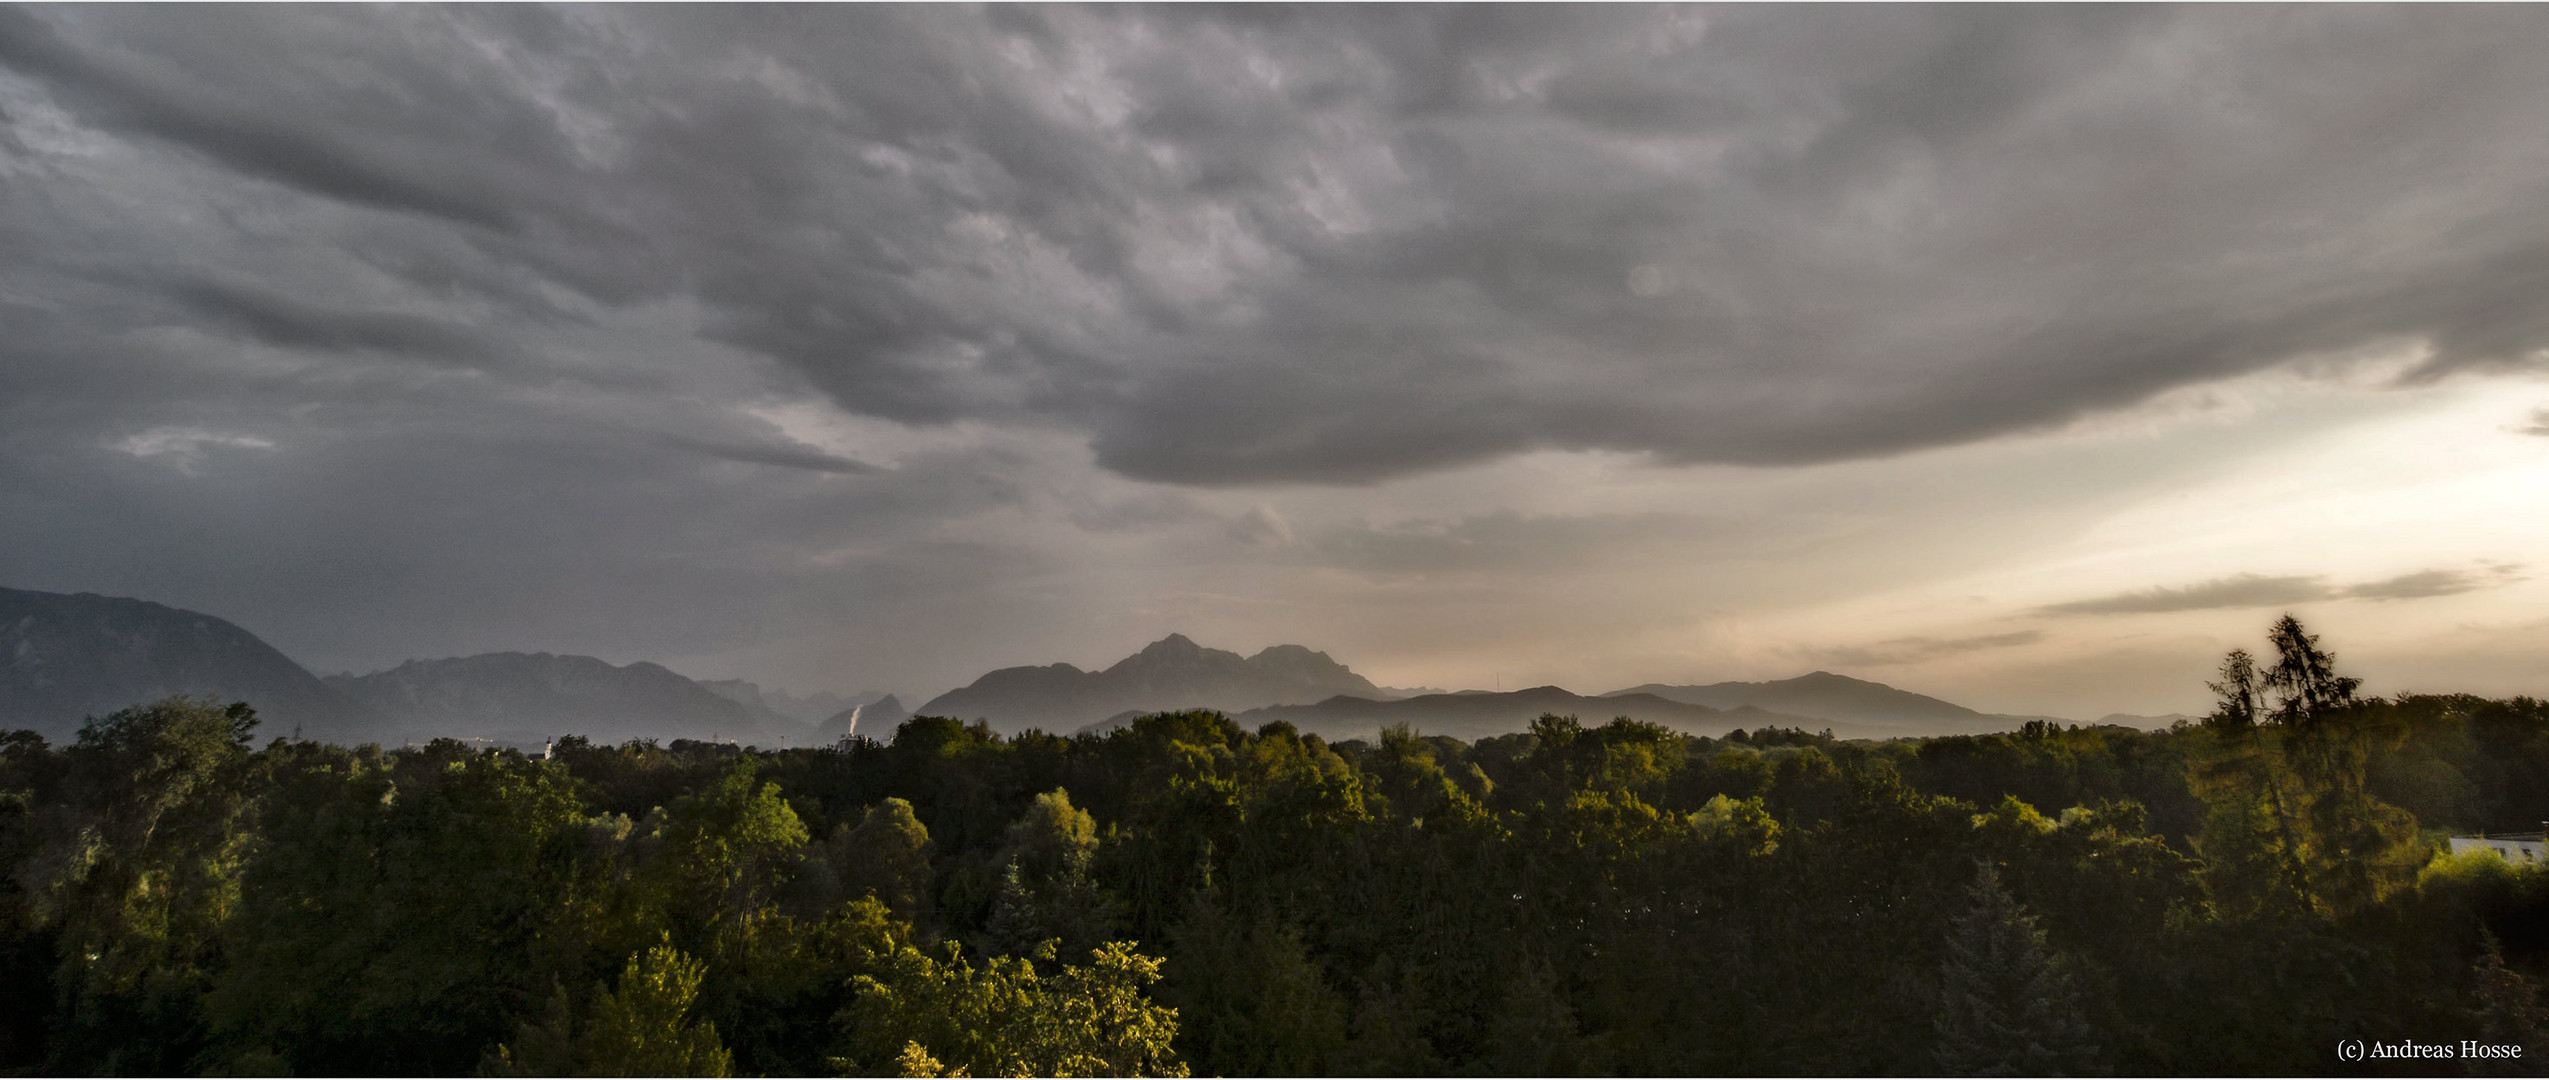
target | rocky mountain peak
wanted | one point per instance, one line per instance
(1172, 645)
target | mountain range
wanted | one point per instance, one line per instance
(529, 697)
(1171, 673)
(1853, 708)
(67, 657)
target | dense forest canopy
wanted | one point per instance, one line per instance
(2240, 895)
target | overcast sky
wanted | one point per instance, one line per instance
(2028, 357)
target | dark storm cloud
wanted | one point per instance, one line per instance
(282, 321)
(2253, 590)
(300, 147)
(1340, 244)
(1891, 230)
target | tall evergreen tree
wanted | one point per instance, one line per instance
(1257, 1004)
(2006, 1005)
(2237, 705)
(2304, 678)
(1534, 1031)
(1389, 1037)
(2359, 847)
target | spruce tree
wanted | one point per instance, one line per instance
(1257, 1004)
(1535, 1031)
(2006, 1005)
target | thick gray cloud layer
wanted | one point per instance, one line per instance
(1338, 244)
(444, 303)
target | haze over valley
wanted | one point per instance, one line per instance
(72, 658)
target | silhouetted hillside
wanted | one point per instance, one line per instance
(1171, 673)
(527, 697)
(66, 657)
(1870, 709)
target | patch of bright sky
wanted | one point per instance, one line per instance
(183, 448)
(2357, 485)
(868, 439)
(2324, 468)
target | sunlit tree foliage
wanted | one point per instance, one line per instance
(1179, 894)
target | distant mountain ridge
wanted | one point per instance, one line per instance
(809, 710)
(756, 704)
(1175, 673)
(65, 657)
(1474, 715)
(528, 697)
(1171, 673)
(1872, 709)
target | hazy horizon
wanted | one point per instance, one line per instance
(2028, 358)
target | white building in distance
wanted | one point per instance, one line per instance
(2517, 848)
